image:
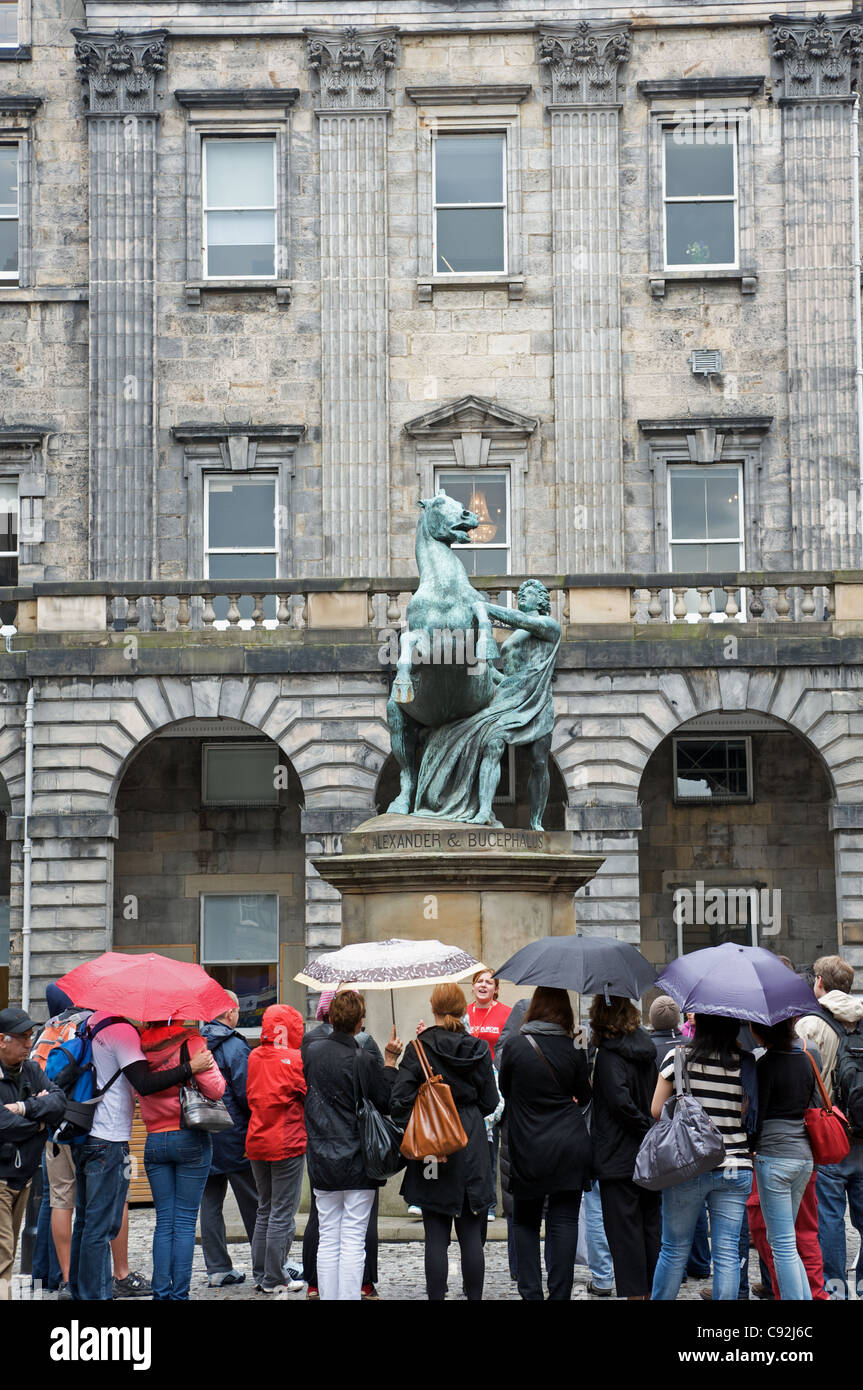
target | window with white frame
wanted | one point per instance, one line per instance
(9, 214)
(469, 194)
(8, 23)
(240, 949)
(705, 524)
(9, 527)
(239, 208)
(700, 196)
(485, 492)
(241, 535)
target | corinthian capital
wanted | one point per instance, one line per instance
(352, 66)
(120, 70)
(581, 61)
(816, 58)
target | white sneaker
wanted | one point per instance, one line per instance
(415, 1211)
(294, 1285)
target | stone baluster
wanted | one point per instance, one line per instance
(679, 603)
(756, 601)
(233, 609)
(283, 611)
(394, 612)
(654, 607)
(257, 609)
(807, 606)
(732, 607)
(829, 601)
(183, 611)
(133, 617)
(157, 613)
(705, 602)
(783, 607)
(208, 616)
(300, 613)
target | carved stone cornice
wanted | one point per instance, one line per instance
(120, 70)
(581, 62)
(352, 66)
(816, 58)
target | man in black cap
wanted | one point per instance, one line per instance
(31, 1106)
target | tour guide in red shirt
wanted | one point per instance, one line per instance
(486, 1016)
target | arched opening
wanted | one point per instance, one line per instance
(510, 805)
(210, 860)
(735, 842)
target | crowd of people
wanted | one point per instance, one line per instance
(563, 1113)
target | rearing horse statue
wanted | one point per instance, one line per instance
(444, 670)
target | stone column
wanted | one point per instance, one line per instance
(353, 108)
(816, 64)
(120, 73)
(846, 822)
(581, 64)
(71, 907)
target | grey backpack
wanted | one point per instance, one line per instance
(684, 1142)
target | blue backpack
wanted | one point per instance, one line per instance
(70, 1066)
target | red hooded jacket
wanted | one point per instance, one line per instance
(276, 1088)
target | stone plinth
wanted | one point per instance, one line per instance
(490, 891)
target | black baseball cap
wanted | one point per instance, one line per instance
(15, 1021)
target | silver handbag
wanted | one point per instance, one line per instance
(197, 1111)
(684, 1142)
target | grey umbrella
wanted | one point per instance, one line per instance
(586, 964)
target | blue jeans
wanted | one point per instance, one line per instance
(46, 1267)
(835, 1181)
(598, 1253)
(725, 1190)
(102, 1168)
(698, 1264)
(781, 1184)
(177, 1164)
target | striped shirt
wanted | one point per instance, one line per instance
(720, 1091)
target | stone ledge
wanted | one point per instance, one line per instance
(236, 98)
(44, 294)
(470, 94)
(684, 88)
(86, 826)
(658, 280)
(427, 284)
(193, 289)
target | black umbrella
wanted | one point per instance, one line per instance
(586, 964)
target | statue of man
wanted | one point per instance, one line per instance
(460, 768)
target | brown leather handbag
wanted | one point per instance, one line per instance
(434, 1128)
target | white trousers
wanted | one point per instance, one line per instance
(343, 1219)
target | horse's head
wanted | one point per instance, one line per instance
(447, 520)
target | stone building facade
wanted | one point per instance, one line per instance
(644, 369)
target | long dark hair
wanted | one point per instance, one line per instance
(715, 1040)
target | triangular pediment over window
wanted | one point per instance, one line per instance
(469, 414)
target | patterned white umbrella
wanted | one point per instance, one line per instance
(389, 965)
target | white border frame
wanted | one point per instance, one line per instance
(444, 135)
(240, 480)
(487, 469)
(206, 139)
(734, 199)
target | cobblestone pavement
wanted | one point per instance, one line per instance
(401, 1275)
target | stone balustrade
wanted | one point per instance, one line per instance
(293, 607)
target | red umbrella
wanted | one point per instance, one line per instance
(146, 987)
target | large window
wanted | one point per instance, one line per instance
(486, 493)
(469, 173)
(700, 198)
(705, 511)
(240, 774)
(712, 769)
(240, 535)
(9, 214)
(8, 531)
(240, 948)
(8, 24)
(239, 209)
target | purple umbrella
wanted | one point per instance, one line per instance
(743, 982)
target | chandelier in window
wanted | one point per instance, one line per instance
(487, 529)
